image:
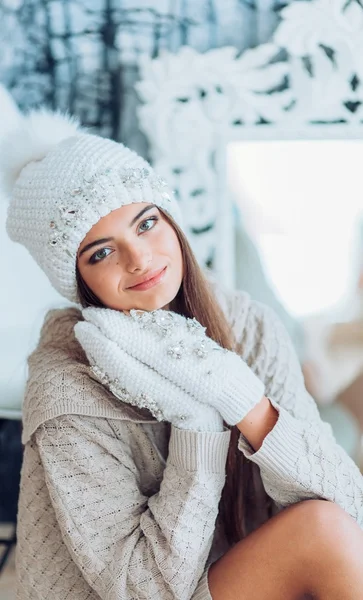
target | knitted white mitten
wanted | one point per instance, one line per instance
(179, 349)
(136, 383)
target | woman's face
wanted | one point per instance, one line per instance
(132, 258)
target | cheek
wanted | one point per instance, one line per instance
(170, 246)
(111, 276)
(103, 279)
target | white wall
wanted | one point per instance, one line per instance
(25, 297)
(26, 291)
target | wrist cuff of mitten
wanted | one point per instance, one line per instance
(240, 395)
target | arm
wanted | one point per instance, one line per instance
(128, 545)
(258, 423)
(298, 458)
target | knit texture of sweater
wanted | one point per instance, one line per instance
(116, 505)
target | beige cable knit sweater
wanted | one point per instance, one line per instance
(115, 505)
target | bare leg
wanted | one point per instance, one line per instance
(312, 549)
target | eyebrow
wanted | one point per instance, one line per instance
(110, 239)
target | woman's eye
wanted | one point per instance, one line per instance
(99, 255)
(148, 223)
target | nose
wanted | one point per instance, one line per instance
(138, 257)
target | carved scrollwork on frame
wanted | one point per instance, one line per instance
(310, 75)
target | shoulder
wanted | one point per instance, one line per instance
(60, 381)
(58, 366)
(57, 332)
(251, 321)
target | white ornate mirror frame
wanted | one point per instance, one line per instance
(307, 83)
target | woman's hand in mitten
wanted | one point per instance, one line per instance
(179, 349)
(135, 383)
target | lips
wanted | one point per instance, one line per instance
(152, 279)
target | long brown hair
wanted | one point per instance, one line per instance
(244, 505)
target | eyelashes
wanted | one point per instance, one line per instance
(96, 258)
(154, 219)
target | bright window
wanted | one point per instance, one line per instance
(301, 201)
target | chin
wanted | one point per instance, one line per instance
(156, 300)
(158, 303)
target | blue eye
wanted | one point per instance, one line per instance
(102, 253)
(99, 255)
(150, 223)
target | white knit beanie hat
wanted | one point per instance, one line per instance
(60, 181)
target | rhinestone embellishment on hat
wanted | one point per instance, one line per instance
(137, 178)
(72, 206)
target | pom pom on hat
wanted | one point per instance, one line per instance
(31, 140)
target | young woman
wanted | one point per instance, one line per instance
(171, 449)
